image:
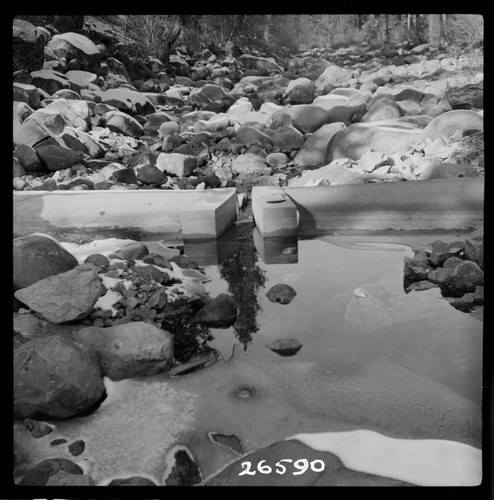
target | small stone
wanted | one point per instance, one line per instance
(77, 447)
(281, 294)
(36, 428)
(98, 260)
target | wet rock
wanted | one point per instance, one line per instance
(185, 471)
(220, 311)
(474, 251)
(314, 150)
(58, 158)
(132, 251)
(442, 251)
(285, 347)
(281, 293)
(181, 165)
(439, 275)
(64, 297)
(452, 262)
(36, 428)
(130, 349)
(463, 279)
(416, 269)
(36, 257)
(41, 473)
(132, 481)
(54, 378)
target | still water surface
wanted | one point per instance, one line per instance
(350, 307)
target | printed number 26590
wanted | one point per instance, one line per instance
(300, 465)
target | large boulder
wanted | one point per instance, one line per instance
(36, 257)
(466, 97)
(262, 65)
(74, 46)
(333, 75)
(300, 91)
(464, 278)
(129, 350)
(54, 378)
(177, 164)
(386, 136)
(314, 150)
(211, 97)
(448, 123)
(286, 138)
(122, 123)
(249, 164)
(304, 117)
(65, 296)
(28, 93)
(58, 158)
(126, 100)
(332, 174)
(247, 135)
(382, 109)
(49, 80)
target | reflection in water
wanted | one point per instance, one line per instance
(244, 279)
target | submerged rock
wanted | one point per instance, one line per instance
(285, 347)
(221, 311)
(281, 294)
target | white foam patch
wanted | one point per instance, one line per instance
(104, 247)
(107, 301)
(423, 462)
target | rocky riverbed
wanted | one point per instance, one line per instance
(103, 337)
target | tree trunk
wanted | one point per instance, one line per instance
(434, 30)
(386, 29)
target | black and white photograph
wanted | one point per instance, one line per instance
(248, 250)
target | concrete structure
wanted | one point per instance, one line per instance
(144, 214)
(455, 204)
